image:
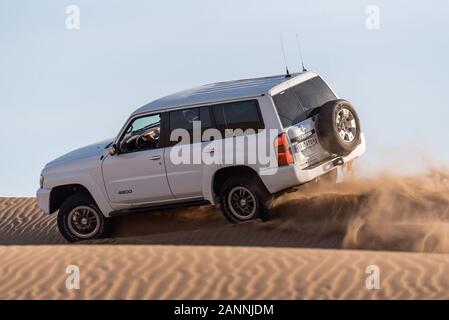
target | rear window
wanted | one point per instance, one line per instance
(238, 115)
(296, 103)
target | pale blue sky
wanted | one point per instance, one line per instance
(62, 89)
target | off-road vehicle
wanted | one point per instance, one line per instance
(298, 119)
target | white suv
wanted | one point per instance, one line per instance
(235, 143)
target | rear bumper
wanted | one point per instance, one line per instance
(292, 176)
(43, 199)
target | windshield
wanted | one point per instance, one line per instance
(296, 103)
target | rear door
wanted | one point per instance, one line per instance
(187, 152)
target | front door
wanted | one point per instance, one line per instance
(136, 175)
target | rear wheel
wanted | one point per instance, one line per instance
(80, 219)
(243, 199)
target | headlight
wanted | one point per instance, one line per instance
(41, 181)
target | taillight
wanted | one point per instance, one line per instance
(283, 149)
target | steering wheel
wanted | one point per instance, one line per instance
(140, 142)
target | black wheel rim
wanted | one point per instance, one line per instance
(83, 222)
(242, 203)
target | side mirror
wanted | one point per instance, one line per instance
(113, 150)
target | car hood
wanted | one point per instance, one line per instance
(91, 150)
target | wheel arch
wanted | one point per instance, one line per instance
(63, 185)
(61, 193)
(222, 174)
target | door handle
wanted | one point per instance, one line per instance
(155, 158)
(209, 151)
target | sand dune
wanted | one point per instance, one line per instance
(304, 252)
(385, 213)
(22, 222)
(186, 272)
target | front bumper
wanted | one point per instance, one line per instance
(43, 199)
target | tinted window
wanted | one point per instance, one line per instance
(238, 115)
(206, 121)
(295, 104)
(183, 119)
(142, 134)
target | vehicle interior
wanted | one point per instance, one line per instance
(142, 134)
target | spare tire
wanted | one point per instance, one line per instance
(338, 127)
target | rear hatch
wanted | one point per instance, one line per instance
(297, 107)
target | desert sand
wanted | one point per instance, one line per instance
(318, 245)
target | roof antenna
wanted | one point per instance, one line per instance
(287, 73)
(300, 53)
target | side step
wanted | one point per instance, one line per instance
(158, 207)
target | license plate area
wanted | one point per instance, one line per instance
(306, 144)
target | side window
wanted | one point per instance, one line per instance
(142, 134)
(238, 115)
(183, 119)
(206, 121)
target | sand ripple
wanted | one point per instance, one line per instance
(186, 272)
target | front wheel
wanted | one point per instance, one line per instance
(243, 199)
(80, 219)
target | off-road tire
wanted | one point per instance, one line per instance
(258, 191)
(81, 200)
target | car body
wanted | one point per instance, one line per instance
(135, 170)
